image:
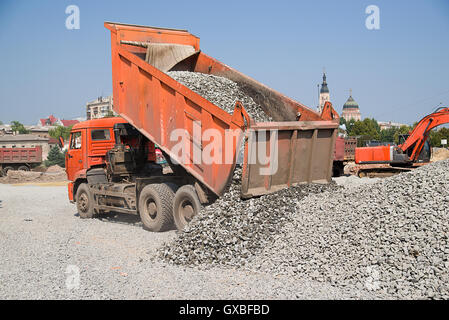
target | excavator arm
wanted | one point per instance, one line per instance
(418, 136)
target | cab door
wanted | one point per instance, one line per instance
(75, 156)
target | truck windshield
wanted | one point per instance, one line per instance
(75, 142)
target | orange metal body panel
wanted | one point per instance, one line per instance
(156, 104)
(305, 155)
(373, 154)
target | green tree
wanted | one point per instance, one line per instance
(16, 126)
(368, 128)
(349, 126)
(60, 131)
(392, 134)
(401, 131)
(387, 135)
(435, 137)
(1, 122)
(55, 156)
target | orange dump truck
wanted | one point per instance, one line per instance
(115, 168)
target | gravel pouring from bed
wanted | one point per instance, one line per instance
(220, 91)
(231, 230)
(390, 237)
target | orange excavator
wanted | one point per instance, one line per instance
(414, 150)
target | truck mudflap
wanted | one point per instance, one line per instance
(70, 192)
(283, 154)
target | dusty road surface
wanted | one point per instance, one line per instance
(43, 244)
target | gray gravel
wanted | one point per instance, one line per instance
(220, 91)
(41, 235)
(390, 237)
(232, 230)
(354, 181)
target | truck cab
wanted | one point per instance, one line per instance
(88, 145)
(113, 167)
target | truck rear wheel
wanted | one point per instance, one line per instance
(6, 169)
(155, 207)
(186, 205)
(84, 202)
(24, 168)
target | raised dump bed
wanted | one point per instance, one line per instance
(157, 105)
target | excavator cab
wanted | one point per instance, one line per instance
(426, 151)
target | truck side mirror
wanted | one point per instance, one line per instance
(61, 142)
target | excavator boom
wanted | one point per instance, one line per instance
(418, 136)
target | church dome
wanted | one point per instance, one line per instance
(351, 104)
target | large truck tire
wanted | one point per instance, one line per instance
(186, 205)
(156, 207)
(24, 168)
(6, 169)
(85, 202)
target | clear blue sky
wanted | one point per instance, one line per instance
(397, 73)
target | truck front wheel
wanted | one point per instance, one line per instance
(186, 205)
(155, 207)
(84, 202)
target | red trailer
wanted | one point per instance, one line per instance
(344, 152)
(19, 158)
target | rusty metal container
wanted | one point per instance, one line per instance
(156, 104)
(350, 146)
(20, 155)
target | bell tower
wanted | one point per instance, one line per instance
(324, 93)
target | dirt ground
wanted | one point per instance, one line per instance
(52, 174)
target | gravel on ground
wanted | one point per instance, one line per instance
(43, 242)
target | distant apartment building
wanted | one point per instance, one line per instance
(39, 131)
(5, 129)
(99, 108)
(384, 125)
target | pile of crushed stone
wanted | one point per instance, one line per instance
(231, 230)
(391, 237)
